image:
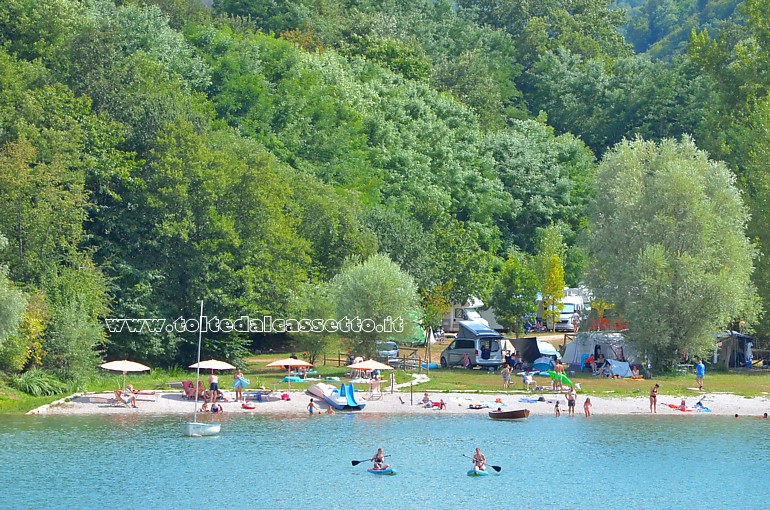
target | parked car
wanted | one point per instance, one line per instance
(387, 350)
(482, 345)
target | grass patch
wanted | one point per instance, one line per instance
(745, 383)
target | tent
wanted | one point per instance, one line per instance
(619, 368)
(612, 345)
(530, 349)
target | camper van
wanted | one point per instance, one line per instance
(571, 302)
(482, 345)
(466, 312)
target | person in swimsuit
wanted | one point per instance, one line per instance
(654, 398)
(379, 461)
(214, 385)
(571, 398)
(506, 373)
(311, 407)
(587, 407)
(556, 409)
(479, 460)
(216, 408)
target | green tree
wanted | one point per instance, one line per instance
(549, 267)
(371, 295)
(514, 293)
(12, 305)
(315, 304)
(668, 246)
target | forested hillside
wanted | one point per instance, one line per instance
(155, 153)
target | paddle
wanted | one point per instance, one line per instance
(496, 468)
(357, 462)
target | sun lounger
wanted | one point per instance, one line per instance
(189, 390)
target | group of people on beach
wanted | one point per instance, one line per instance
(571, 401)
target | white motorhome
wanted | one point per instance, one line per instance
(466, 312)
(571, 302)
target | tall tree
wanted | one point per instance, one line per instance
(514, 293)
(377, 299)
(668, 246)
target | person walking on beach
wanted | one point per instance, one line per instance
(506, 373)
(654, 398)
(479, 460)
(571, 398)
(311, 407)
(700, 373)
(587, 407)
(379, 460)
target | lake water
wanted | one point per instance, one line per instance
(635, 462)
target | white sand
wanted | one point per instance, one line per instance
(391, 403)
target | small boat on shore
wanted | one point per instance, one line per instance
(516, 414)
(343, 398)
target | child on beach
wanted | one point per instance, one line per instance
(311, 407)
(587, 407)
(556, 409)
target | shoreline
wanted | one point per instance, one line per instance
(457, 403)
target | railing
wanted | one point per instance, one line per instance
(408, 359)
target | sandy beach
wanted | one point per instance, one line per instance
(400, 402)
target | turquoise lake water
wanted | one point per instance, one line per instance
(608, 463)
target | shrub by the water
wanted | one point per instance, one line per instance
(38, 383)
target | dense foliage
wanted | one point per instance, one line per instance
(154, 153)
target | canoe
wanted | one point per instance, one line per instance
(516, 414)
(389, 471)
(477, 472)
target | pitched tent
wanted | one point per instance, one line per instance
(613, 346)
(530, 349)
(620, 368)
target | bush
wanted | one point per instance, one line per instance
(38, 383)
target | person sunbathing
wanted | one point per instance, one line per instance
(126, 397)
(426, 401)
(139, 392)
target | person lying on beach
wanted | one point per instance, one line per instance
(216, 408)
(139, 392)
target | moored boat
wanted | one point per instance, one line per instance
(516, 414)
(195, 429)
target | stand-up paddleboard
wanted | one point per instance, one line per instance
(389, 471)
(477, 472)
